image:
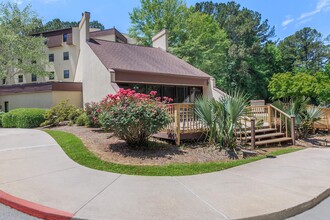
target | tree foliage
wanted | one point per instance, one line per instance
(247, 34)
(203, 44)
(289, 85)
(19, 51)
(56, 24)
(304, 51)
(153, 16)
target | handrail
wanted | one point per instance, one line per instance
(282, 112)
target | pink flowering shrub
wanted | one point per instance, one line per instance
(92, 111)
(133, 116)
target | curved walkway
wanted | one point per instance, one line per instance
(34, 168)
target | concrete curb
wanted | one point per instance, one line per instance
(33, 209)
(293, 211)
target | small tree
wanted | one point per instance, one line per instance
(20, 53)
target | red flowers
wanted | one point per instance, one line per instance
(129, 95)
(153, 93)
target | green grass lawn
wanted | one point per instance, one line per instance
(76, 150)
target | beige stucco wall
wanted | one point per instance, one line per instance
(212, 91)
(30, 100)
(95, 76)
(75, 98)
(40, 99)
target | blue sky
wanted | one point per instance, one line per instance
(287, 16)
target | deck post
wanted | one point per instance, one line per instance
(253, 133)
(177, 124)
(269, 116)
(293, 130)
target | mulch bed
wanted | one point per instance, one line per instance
(109, 148)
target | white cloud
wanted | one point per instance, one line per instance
(288, 20)
(321, 5)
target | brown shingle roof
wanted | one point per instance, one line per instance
(119, 56)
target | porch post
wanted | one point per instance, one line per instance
(177, 124)
(253, 133)
(269, 116)
(293, 130)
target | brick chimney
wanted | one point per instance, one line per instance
(160, 40)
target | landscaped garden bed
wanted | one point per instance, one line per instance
(109, 148)
(77, 151)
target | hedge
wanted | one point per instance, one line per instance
(23, 118)
(1, 114)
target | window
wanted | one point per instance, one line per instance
(66, 74)
(51, 57)
(33, 77)
(20, 78)
(51, 76)
(4, 81)
(6, 106)
(65, 37)
(65, 55)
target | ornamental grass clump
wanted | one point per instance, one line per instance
(133, 116)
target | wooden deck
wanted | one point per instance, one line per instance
(184, 124)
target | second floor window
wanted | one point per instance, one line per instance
(51, 76)
(65, 37)
(65, 55)
(66, 74)
(33, 77)
(20, 78)
(51, 57)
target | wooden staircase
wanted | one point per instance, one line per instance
(277, 127)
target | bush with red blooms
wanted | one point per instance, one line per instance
(92, 111)
(133, 116)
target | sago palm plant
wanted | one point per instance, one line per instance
(305, 115)
(222, 117)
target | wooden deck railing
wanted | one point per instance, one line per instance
(184, 120)
(272, 117)
(324, 123)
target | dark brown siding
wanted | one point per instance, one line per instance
(54, 41)
(155, 78)
(70, 39)
(40, 87)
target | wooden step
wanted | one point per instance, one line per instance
(268, 135)
(264, 130)
(272, 141)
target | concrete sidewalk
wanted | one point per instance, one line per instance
(34, 168)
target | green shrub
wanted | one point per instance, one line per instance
(61, 112)
(23, 118)
(1, 114)
(82, 120)
(132, 116)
